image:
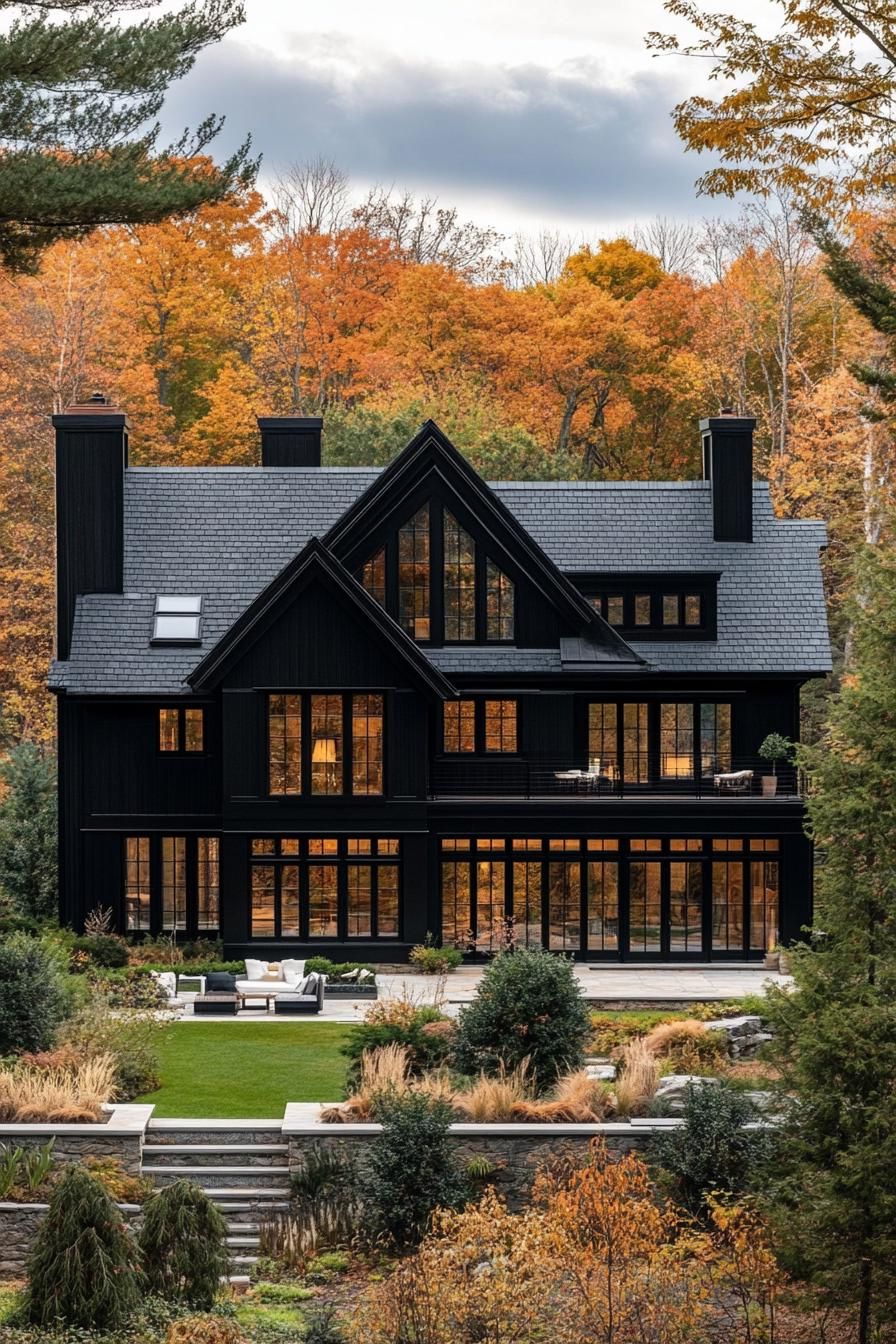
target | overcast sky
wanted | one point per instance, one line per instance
(524, 113)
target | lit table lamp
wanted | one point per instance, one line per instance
(324, 753)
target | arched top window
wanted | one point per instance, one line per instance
(436, 580)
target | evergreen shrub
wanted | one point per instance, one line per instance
(183, 1244)
(528, 1007)
(82, 1270)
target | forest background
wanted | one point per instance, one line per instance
(540, 356)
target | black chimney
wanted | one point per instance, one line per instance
(290, 441)
(728, 466)
(91, 457)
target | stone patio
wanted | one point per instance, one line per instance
(609, 986)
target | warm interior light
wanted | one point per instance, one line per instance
(324, 751)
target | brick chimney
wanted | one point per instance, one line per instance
(728, 466)
(290, 441)
(91, 457)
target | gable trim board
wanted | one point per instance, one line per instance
(430, 453)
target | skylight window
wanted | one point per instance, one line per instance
(176, 619)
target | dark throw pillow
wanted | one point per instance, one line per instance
(220, 982)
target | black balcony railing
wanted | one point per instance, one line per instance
(630, 776)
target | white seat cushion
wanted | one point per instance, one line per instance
(292, 970)
(255, 969)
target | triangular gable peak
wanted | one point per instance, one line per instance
(315, 565)
(431, 473)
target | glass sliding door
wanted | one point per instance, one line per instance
(686, 906)
(564, 906)
(603, 906)
(489, 903)
(645, 905)
(527, 903)
(728, 897)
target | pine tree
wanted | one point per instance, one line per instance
(79, 95)
(28, 871)
(82, 1269)
(183, 1245)
(835, 1195)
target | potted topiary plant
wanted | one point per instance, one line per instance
(774, 748)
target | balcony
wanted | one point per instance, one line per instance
(643, 776)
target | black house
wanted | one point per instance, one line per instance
(340, 709)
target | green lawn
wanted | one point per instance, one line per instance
(247, 1069)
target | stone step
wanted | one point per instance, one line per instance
(274, 1155)
(241, 1212)
(248, 1195)
(198, 1132)
(242, 1243)
(243, 1261)
(276, 1178)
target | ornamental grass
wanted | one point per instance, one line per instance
(73, 1094)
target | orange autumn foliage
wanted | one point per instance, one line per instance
(595, 1256)
(198, 325)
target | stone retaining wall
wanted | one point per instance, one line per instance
(120, 1137)
(515, 1152)
(18, 1228)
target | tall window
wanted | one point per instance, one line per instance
(715, 738)
(413, 575)
(635, 760)
(459, 725)
(764, 895)
(459, 581)
(373, 577)
(676, 741)
(603, 750)
(499, 602)
(326, 744)
(489, 903)
(285, 744)
(208, 868)
(500, 725)
(367, 744)
(169, 730)
(456, 894)
(174, 882)
(137, 890)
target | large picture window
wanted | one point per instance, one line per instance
(646, 742)
(324, 888)
(307, 734)
(439, 583)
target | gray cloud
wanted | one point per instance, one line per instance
(548, 141)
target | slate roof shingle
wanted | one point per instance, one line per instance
(225, 532)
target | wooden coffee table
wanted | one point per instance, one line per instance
(268, 996)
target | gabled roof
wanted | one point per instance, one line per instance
(314, 561)
(226, 532)
(431, 454)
